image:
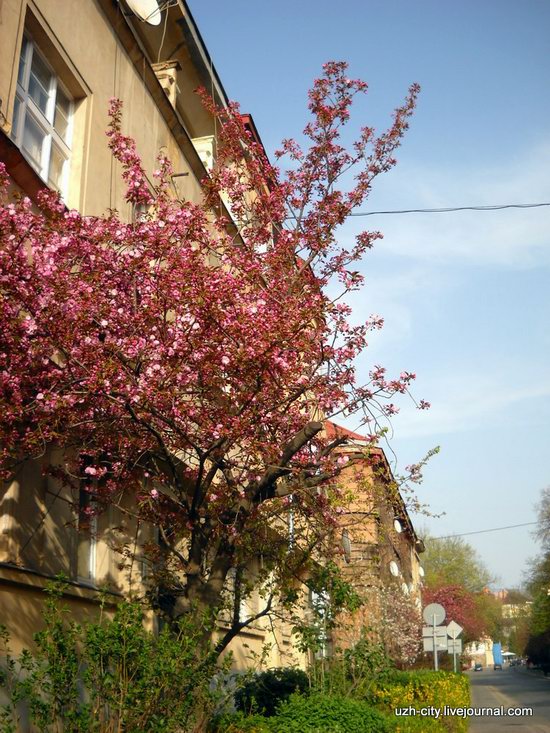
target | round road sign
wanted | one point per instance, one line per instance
(434, 609)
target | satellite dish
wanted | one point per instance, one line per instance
(146, 10)
(346, 545)
(394, 568)
(421, 571)
(397, 525)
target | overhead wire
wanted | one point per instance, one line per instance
(484, 531)
(446, 209)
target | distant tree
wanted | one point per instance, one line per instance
(452, 561)
(518, 632)
(460, 606)
(538, 650)
(488, 610)
(543, 512)
(538, 585)
(516, 596)
(538, 576)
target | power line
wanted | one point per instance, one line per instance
(483, 531)
(444, 210)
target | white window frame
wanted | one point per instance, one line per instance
(45, 121)
(89, 528)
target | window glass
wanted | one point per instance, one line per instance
(40, 83)
(62, 114)
(57, 162)
(16, 111)
(86, 537)
(33, 141)
(23, 62)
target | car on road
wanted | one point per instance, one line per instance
(478, 667)
(497, 666)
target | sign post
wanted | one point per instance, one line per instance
(454, 630)
(434, 614)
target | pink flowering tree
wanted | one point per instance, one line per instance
(186, 360)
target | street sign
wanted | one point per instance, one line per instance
(434, 614)
(439, 631)
(454, 646)
(454, 630)
(428, 645)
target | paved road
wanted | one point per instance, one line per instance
(511, 687)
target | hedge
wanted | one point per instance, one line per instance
(318, 713)
(312, 714)
(422, 689)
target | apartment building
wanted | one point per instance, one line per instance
(379, 548)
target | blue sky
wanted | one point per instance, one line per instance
(465, 296)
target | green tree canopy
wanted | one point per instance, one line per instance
(452, 561)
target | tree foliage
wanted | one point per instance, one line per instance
(538, 585)
(457, 578)
(109, 675)
(186, 362)
(460, 606)
(543, 517)
(452, 561)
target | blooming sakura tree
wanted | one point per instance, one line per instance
(386, 616)
(187, 360)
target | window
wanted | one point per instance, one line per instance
(42, 121)
(87, 529)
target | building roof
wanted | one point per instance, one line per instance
(333, 430)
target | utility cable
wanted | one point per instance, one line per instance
(483, 531)
(444, 210)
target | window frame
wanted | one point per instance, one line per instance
(86, 532)
(45, 120)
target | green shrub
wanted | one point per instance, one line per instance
(265, 691)
(325, 714)
(312, 714)
(352, 672)
(419, 725)
(109, 675)
(420, 689)
(240, 723)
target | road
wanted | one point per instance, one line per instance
(514, 687)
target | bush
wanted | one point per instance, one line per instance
(267, 690)
(240, 723)
(328, 714)
(352, 672)
(313, 714)
(419, 725)
(110, 675)
(424, 688)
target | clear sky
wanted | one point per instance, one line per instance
(465, 296)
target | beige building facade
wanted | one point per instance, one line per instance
(380, 550)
